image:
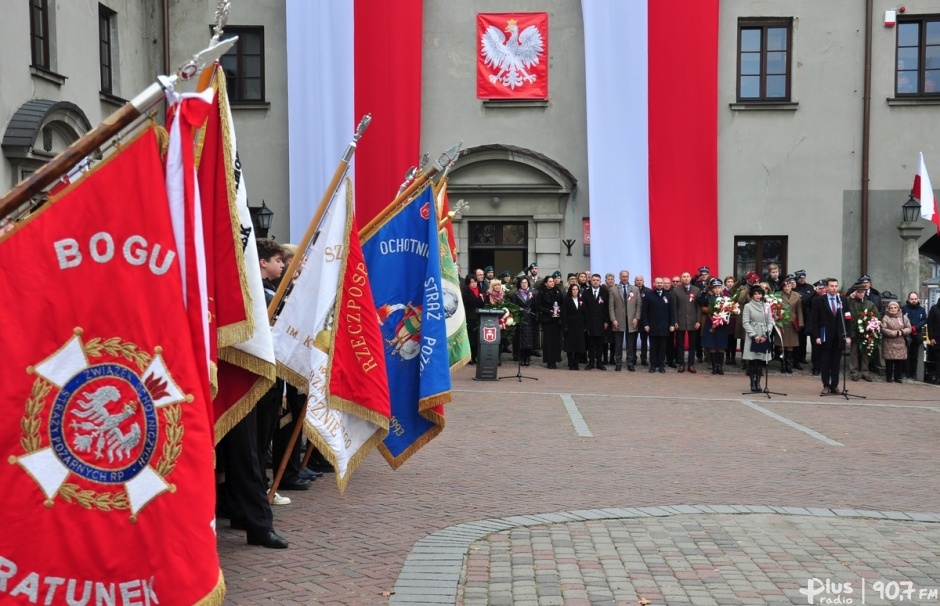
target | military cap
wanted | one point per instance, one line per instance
(819, 283)
(505, 274)
(532, 265)
(800, 273)
(488, 268)
(865, 278)
(716, 282)
(703, 270)
(556, 274)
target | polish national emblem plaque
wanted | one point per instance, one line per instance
(102, 425)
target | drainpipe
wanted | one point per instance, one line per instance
(866, 133)
(166, 36)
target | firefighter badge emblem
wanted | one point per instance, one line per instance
(102, 425)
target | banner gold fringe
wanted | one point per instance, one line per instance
(240, 409)
(430, 434)
(293, 377)
(374, 441)
(248, 362)
(242, 330)
(225, 112)
(358, 410)
(216, 596)
(459, 364)
(444, 397)
(235, 333)
(213, 380)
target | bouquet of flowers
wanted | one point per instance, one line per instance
(869, 330)
(777, 309)
(510, 318)
(720, 311)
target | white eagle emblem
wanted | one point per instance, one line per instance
(513, 56)
(104, 428)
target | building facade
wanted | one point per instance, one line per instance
(792, 126)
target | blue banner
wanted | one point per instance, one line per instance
(404, 265)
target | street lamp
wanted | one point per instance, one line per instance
(910, 230)
(262, 217)
(911, 209)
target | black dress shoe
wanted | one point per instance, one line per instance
(631, 367)
(601, 367)
(296, 485)
(589, 366)
(617, 368)
(662, 369)
(652, 369)
(309, 474)
(271, 540)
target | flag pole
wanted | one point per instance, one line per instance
(108, 129)
(289, 450)
(341, 169)
(443, 162)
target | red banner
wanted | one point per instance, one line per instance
(512, 56)
(104, 431)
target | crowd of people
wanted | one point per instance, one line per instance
(685, 321)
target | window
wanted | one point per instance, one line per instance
(244, 65)
(764, 59)
(755, 253)
(502, 234)
(39, 32)
(106, 23)
(918, 57)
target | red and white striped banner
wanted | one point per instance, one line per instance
(652, 105)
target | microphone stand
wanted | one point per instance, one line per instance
(519, 374)
(845, 355)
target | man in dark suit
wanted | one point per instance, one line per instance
(644, 336)
(688, 320)
(806, 292)
(819, 288)
(597, 317)
(659, 321)
(829, 334)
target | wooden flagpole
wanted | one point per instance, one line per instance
(338, 174)
(110, 127)
(445, 160)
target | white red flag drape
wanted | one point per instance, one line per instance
(347, 58)
(652, 156)
(923, 191)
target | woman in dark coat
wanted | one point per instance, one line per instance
(524, 299)
(574, 322)
(549, 302)
(472, 303)
(714, 338)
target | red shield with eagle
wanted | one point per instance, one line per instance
(489, 334)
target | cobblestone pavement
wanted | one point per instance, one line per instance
(614, 442)
(706, 560)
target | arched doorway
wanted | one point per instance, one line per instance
(518, 201)
(38, 131)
